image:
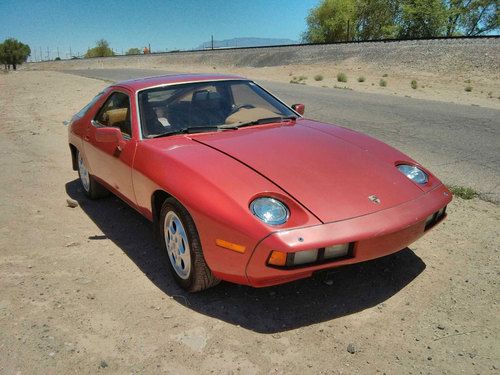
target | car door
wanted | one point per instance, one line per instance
(111, 161)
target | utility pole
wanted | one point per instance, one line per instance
(58, 52)
(212, 42)
(41, 56)
(48, 54)
(149, 47)
(70, 53)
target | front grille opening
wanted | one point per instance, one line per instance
(314, 257)
(435, 218)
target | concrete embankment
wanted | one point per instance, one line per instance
(442, 55)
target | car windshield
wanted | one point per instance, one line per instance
(202, 106)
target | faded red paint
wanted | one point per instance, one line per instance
(323, 173)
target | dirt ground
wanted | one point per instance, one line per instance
(82, 290)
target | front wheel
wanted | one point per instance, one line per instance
(92, 188)
(181, 243)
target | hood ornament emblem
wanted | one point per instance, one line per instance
(374, 199)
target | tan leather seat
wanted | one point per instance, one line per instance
(116, 116)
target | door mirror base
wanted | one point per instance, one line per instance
(299, 108)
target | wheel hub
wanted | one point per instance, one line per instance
(177, 245)
(84, 173)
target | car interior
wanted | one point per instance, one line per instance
(186, 106)
(116, 113)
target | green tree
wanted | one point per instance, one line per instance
(379, 19)
(101, 49)
(422, 19)
(472, 17)
(376, 19)
(133, 51)
(13, 52)
(328, 21)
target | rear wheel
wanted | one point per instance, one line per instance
(181, 244)
(92, 188)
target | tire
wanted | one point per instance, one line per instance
(91, 187)
(181, 244)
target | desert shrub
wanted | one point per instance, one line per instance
(298, 80)
(468, 88)
(463, 192)
(318, 77)
(414, 84)
(341, 77)
(361, 79)
(382, 83)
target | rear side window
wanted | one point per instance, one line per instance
(115, 112)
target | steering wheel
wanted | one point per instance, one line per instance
(238, 107)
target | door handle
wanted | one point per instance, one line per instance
(86, 138)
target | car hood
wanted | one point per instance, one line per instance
(333, 178)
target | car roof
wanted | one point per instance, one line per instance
(146, 82)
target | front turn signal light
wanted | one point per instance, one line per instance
(277, 258)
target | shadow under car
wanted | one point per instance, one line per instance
(324, 297)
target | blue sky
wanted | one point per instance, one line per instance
(167, 24)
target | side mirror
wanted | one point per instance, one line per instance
(299, 108)
(108, 135)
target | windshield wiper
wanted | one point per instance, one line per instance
(261, 121)
(201, 129)
(195, 129)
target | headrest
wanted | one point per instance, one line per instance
(205, 95)
(117, 115)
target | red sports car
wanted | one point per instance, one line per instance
(241, 187)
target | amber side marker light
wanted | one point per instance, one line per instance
(231, 246)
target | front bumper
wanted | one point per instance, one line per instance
(375, 235)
